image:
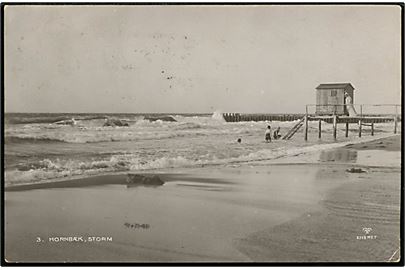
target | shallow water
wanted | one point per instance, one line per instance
(187, 220)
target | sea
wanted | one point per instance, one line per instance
(43, 147)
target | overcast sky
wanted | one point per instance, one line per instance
(197, 58)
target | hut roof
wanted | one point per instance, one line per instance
(335, 86)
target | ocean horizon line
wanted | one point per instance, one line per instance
(169, 113)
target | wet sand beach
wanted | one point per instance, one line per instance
(358, 221)
(270, 212)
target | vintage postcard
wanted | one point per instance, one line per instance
(202, 133)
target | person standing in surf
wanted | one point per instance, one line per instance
(267, 135)
(276, 134)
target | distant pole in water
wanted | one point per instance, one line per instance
(395, 125)
(306, 123)
(372, 129)
(320, 129)
(396, 120)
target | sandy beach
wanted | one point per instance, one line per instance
(316, 211)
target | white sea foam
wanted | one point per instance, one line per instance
(58, 168)
(145, 145)
(218, 116)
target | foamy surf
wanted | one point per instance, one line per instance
(39, 150)
(48, 169)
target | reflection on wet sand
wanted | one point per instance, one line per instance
(338, 155)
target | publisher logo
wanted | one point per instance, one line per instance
(366, 234)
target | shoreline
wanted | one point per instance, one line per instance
(111, 178)
(247, 212)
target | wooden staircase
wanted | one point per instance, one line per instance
(295, 128)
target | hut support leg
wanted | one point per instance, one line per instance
(306, 128)
(334, 126)
(360, 128)
(347, 129)
(319, 129)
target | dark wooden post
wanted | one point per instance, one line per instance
(334, 126)
(360, 123)
(319, 128)
(396, 120)
(306, 123)
(306, 128)
(372, 129)
(347, 129)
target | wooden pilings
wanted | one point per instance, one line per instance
(335, 120)
(238, 117)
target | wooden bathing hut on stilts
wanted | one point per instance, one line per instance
(335, 105)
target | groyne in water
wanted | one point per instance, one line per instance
(238, 117)
(256, 117)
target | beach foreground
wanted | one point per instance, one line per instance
(313, 211)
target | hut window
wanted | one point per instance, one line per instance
(333, 93)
